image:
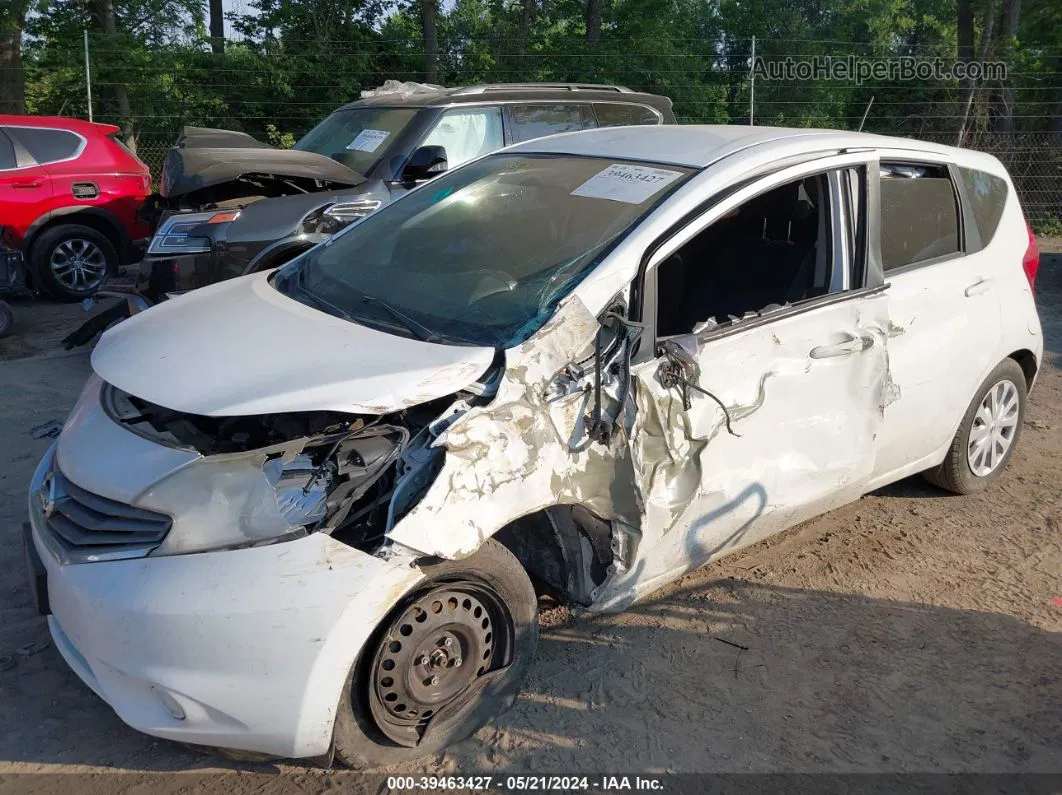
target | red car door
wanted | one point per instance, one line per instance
(25, 188)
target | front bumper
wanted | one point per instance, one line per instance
(245, 649)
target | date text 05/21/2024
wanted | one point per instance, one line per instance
(526, 783)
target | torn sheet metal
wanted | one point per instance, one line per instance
(675, 475)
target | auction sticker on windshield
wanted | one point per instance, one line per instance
(368, 140)
(625, 183)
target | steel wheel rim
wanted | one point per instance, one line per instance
(432, 655)
(994, 427)
(78, 264)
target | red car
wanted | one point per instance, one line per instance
(70, 191)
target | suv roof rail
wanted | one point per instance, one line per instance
(483, 89)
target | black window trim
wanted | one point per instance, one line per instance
(962, 213)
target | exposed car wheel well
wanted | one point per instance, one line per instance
(565, 549)
(1026, 359)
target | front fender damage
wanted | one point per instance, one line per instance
(529, 449)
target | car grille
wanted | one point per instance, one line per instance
(86, 527)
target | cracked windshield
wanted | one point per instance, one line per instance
(481, 255)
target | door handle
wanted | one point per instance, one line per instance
(27, 184)
(978, 287)
(847, 348)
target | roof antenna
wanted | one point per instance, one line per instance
(864, 119)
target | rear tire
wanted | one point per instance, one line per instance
(71, 261)
(487, 591)
(987, 435)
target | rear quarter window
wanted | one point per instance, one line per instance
(919, 215)
(987, 195)
(614, 114)
(48, 146)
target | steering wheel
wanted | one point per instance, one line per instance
(490, 282)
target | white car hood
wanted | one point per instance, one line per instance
(240, 347)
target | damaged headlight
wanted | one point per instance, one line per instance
(232, 501)
(329, 220)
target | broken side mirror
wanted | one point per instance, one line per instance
(425, 163)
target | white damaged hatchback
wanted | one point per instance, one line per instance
(308, 512)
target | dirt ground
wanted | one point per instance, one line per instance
(911, 631)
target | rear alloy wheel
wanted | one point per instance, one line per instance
(72, 261)
(448, 660)
(987, 435)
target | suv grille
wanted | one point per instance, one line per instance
(87, 527)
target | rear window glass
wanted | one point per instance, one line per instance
(615, 115)
(7, 152)
(48, 146)
(987, 194)
(919, 214)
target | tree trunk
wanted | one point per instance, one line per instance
(217, 27)
(1011, 16)
(987, 29)
(429, 20)
(593, 21)
(527, 15)
(12, 78)
(104, 12)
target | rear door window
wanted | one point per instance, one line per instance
(614, 114)
(536, 121)
(7, 153)
(987, 194)
(919, 214)
(49, 146)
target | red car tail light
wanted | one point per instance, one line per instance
(1030, 263)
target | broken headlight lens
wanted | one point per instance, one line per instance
(329, 220)
(232, 501)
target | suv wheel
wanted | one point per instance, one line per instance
(72, 261)
(987, 435)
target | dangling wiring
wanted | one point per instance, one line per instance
(679, 372)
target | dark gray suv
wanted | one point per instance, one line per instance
(230, 205)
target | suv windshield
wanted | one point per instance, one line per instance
(357, 138)
(481, 255)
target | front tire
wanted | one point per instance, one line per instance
(72, 261)
(987, 435)
(450, 658)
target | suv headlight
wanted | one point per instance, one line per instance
(177, 234)
(244, 500)
(329, 220)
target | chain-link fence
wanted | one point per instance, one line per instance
(276, 93)
(1034, 161)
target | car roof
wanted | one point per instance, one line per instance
(700, 145)
(512, 92)
(59, 123)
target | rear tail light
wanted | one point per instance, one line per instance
(1031, 261)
